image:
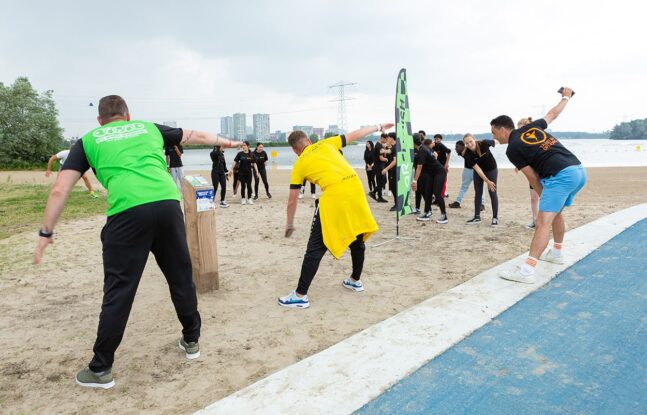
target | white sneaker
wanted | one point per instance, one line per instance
(517, 276)
(292, 300)
(548, 256)
(250, 201)
(353, 285)
(224, 204)
(314, 196)
(243, 201)
(300, 195)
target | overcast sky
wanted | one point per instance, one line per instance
(467, 61)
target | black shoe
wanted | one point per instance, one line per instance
(372, 195)
(269, 196)
(474, 221)
(442, 220)
(255, 197)
(455, 205)
(382, 200)
(393, 209)
(482, 208)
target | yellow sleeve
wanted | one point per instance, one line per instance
(296, 177)
(338, 141)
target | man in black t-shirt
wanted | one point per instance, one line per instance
(174, 163)
(553, 171)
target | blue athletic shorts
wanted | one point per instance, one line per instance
(560, 189)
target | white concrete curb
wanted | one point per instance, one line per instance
(346, 376)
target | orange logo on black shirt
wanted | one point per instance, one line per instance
(534, 136)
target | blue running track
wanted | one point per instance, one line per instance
(576, 346)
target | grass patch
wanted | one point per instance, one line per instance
(22, 207)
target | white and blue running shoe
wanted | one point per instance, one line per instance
(292, 300)
(353, 285)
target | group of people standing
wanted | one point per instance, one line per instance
(247, 164)
(144, 213)
(380, 163)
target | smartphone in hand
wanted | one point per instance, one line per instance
(560, 90)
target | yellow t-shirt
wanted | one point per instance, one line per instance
(343, 208)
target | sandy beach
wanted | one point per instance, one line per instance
(49, 313)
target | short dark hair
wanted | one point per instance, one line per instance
(295, 137)
(438, 136)
(503, 121)
(246, 143)
(392, 135)
(460, 143)
(112, 106)
(384, 135)
(416, 139)
(422, 132)
(428, 141)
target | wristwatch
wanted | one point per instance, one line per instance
(45, 234)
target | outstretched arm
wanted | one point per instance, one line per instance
(557, 109)
(363, 132)
(203, 137)
(65, 180)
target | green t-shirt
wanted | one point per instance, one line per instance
(128, 160)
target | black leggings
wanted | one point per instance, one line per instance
(381, 181)
(313, 188)
(372, 186)
(433, 185)
(316, 250)
(478, 189)
(128, 238)
(263, 174)
(219, 179)
(245, 181)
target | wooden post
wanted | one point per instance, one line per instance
(200, 221)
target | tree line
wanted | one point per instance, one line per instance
(29, 128)
(631, 130)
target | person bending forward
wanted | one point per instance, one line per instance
(342, 217)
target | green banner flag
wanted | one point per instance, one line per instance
(404, 146)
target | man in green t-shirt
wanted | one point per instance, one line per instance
(144, 216)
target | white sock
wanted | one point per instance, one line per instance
(556, 250)
(528, 267)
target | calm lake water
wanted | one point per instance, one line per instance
(592, 153)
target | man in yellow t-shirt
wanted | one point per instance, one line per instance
(342, 217)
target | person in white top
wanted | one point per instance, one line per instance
(61, 156)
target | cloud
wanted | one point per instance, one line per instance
(466, 61)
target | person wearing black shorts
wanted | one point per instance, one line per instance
(479, 157)
(260, 158)
(219, 174)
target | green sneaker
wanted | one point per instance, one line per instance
(192, 349)
(89, 379)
